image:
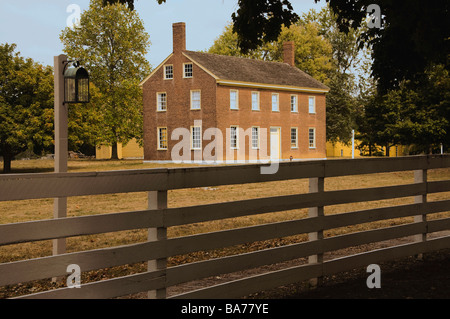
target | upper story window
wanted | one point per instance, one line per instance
(294, 103)
(234, 99)
(161, 101)
(168, 72)
(255, 101)
(275, 102)
(188, 72)
(312, 105)
(195, 100)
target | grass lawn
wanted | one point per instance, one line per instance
(28, 210)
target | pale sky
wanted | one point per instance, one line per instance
(35, 25)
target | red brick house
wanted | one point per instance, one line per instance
(260, 109)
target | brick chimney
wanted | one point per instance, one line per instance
(179, 37)
(289, 53)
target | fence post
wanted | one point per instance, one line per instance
(157, 200)
(316, 185)
(420, 176)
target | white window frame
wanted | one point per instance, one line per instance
(184, 70)
(158, 132)
(236, 127)
(294, 106)
(313, 144)
(199, 100)
(312, 108)
(277, 102)
(236, 107)
(257, 138)
(255, 107)
(192, 137)
(159, 102)
(165, 72)
(296, 138)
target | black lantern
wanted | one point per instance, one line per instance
(76, 84)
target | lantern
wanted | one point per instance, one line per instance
(76, 85)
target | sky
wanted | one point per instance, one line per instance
(35, 26)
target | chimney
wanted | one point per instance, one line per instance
(179, 37)
(289, 53)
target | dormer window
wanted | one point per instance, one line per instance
(188, 70)
(168, 72)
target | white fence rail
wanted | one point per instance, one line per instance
(158, 218)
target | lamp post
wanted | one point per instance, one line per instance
(71, 85)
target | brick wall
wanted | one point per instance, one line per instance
(245, 118)
(179, 113)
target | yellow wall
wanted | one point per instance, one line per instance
(341, 150)
(131, 150)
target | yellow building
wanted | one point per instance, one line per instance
(130, 151)
(342, 150)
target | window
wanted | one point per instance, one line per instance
(294, 104)
(294, 137)
(255, 137)
(162, 101)
(196, 132)
(168, 72)
(162, 138)
(188, 70)
(234, 100)
(312, 138)
(196, 100)
(275, 104)
(234, 137)
(312, 105)
(255, 101)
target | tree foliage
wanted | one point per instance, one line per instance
(323, 52)
(414, 114)
(26, 105)
(111, 42)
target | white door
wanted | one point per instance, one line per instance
(274, 143)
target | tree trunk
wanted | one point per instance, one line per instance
(7, 164)
(388, 149)
(114, 154)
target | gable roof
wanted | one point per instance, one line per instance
(237, 69)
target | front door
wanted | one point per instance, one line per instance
(275, 143)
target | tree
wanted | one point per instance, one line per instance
(413, 36)
(26, 105)
(415, 115)
(323, 52)
(312, 52)
(111, 42)
(414, 33)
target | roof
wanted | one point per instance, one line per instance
(254, 71)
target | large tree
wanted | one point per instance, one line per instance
(323, 52)
(26, 105)
(111, 42)
(413, 33)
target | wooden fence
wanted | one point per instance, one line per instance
(159, 217)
